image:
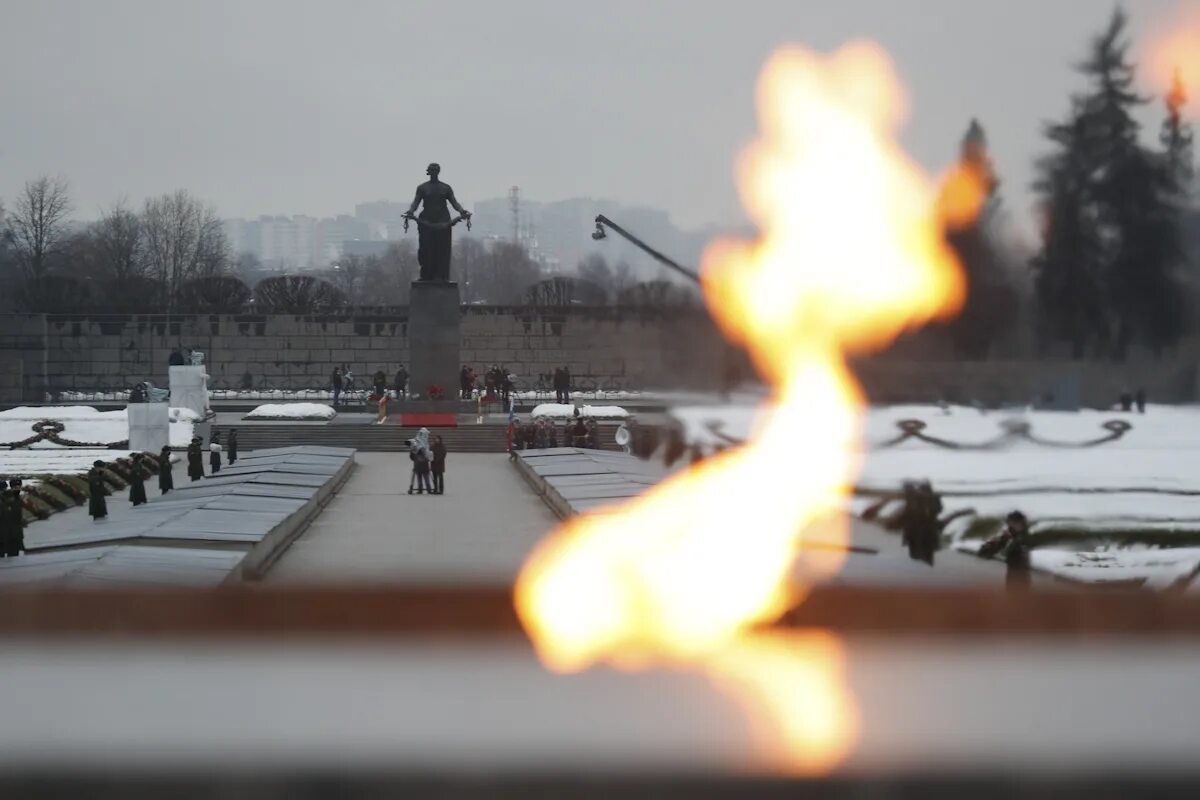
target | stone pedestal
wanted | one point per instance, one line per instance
(149, 427)
(434, 338)
(189, 389)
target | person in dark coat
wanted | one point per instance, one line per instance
(579, 433)
(335, 383)
(97, 491)
(195, 459)
(920, 529)
(401, 383)
(137, 481)
(166, 481)
(12, 520)
(420, 454)
(379, 380)
(214, 454)
(231, 448)
(437, 467)
(6, 517)
(1014, 542)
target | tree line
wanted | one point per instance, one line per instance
(1117, 265)
(127, 260)
(171, 255)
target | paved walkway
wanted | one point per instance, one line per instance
(480, 530)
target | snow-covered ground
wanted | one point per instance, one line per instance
(567, 411)
(316, 411)
(85, 424)
(1142, 487)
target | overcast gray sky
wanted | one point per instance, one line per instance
(290, 106)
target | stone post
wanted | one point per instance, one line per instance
(189, 389)
(149, 427)
(434, 338)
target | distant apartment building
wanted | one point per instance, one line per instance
(298, 242)
(384, 218)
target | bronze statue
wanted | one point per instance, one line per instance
(434, 224)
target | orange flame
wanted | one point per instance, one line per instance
(851, 253)
(1174, 47)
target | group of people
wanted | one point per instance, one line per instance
(98, 487)
(342, 384)
(428, 458)
(497, 382)
(921, 533)
(542, 433)
(195, 454)
(12, 519)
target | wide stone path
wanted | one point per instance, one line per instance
(373, 530)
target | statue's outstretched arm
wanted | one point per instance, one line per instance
(457, 207)
(416, 202)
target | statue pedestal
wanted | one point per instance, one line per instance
(189, 389)
(434, 338)
(149, 427)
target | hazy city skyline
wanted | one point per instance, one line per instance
(269, 108)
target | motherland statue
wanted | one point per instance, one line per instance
(434, 224)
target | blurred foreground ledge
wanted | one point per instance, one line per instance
(333, 610)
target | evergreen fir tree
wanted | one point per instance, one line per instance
(1176, 137)
(1068, 268)
(990, 299)
(1108, 273)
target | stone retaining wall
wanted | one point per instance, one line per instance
(614, 348)
(607, 347)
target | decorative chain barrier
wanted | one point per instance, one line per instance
(644, 441)
(1011, 431)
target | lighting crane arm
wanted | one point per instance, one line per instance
(603, 221)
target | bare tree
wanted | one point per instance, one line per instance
(505, 270)
(214, 294)
(563, 290)
(37, 226)
(347, 276)
(296, 294)
(468, 258)
(183, 240)
(658, 294)
(387, 279)
(117, 245)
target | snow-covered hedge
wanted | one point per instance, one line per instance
(309, 411)
(567, 411)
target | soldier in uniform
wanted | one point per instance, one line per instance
(166, 481)
(97, 491)
(12, 520)
(137, 481)
(195, 459)
(5, 518)
(921, 531)
(1014, 542)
